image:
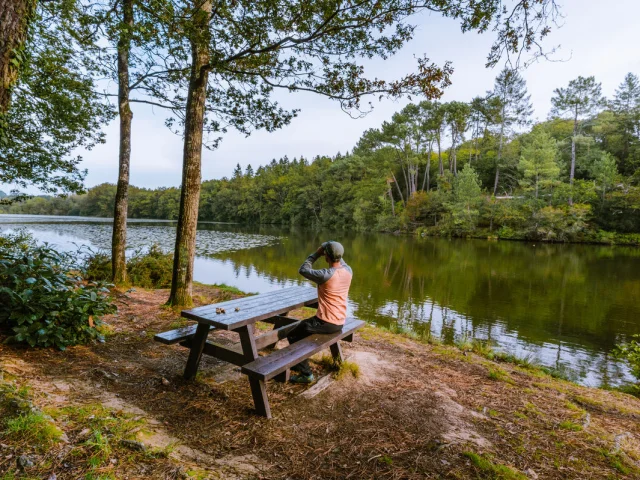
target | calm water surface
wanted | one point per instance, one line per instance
(564, 305)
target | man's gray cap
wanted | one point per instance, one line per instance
(335, 250)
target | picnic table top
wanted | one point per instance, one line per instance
(254, 308)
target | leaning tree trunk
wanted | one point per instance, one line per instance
(398, 188)
(119, 239)
(15, 16)
(393, 205)
(182, 281)
(426, 181)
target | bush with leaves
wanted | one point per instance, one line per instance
(44, 301)
(631, 353)
(152, 269)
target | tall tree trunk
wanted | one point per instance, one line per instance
(440, 165)
(15, 16)
(573, 156)
(427, 173)
(393, 205)
(495, 185)
(182, 281)
(119, 238)
(406, 182)
(453, 159)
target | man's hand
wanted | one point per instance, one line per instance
(320, 250)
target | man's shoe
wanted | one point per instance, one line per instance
(302, 378)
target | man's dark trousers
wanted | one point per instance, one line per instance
(304, 329)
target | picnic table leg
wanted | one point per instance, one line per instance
(248, 342)
(197, 346)
(258, 387)
(260, 400)
(336, 352)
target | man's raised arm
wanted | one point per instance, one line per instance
(317, 276)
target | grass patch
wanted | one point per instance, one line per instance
(489, 469)
(499, 375)
(179, 323)
(35, 429)
(569, 425)
(340, 369)
(223, 287)
(348, 368)
(107, 430)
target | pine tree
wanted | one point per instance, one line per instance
(582, 98)
(626, 107)
(467, 196)
(456, 117)
(538, 160)
(605, 171)
(512, 104)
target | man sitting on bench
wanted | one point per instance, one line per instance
(333, 289)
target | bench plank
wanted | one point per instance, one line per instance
(277, 362)
(176, 336)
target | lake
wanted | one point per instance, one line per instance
(565, 305)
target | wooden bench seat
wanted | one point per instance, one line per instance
(176, 336)
(265, 368)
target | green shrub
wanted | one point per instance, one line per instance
(43, 299)
(152, 269)
(631, 353)
(98, 267)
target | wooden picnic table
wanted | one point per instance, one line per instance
(240, 316)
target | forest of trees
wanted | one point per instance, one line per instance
(476, 168)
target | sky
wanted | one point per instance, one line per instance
(595, 38)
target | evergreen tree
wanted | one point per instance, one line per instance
(512, 108)
(538, 161)
(456, 117)
(467, 197)
(605, 172)
(626, 107)
(581, 99)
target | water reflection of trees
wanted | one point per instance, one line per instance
(575, 295)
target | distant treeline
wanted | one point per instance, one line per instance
(574, 177)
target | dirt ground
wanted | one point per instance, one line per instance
(415, 411)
